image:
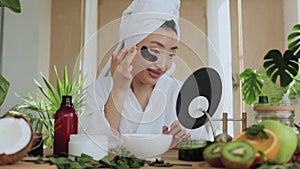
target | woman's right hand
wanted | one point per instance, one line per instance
(121, 69)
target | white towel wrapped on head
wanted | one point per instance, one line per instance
(140, 19)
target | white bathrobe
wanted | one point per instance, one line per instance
(160, 111)
(139, 20)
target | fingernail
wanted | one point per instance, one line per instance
(133, 49)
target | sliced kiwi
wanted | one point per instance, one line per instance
(211, 154)
(237, 155)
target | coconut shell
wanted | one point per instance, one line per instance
(13, 158)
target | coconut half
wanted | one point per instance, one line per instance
(16, 137)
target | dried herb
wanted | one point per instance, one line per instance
(160, 163)
(256, 130)
(83, 162)
(122, 160)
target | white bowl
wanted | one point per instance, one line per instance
(93, 145)
(147, 146)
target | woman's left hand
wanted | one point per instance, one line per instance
(177, 131)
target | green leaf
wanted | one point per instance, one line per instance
(106, 160)
(293, 35)
(66, 80)
(270, 89)
(296, 27)
(84, 158)
(49, 98)
(293, 45)
(59, 86)
(4, 86)
(251, 85)
(52, 94)
(256, 130)
(282, 67)
(48, 102)
(13, 5)
(294, 40)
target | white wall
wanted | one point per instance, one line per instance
(26, 47)
(89, 60)
(219, 54)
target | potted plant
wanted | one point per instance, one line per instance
(279, 76)
(278, 80)
(45, 104)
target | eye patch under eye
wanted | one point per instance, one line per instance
(147, 55)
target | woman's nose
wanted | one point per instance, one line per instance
(161, 63)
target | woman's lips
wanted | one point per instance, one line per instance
(154, 73)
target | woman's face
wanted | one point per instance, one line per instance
(155, 56)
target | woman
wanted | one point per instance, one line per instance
(139, 95)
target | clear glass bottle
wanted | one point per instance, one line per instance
(283, 114)
(66, 123)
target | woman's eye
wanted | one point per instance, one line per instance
(148, 54)
(172, 55)
(155, 51)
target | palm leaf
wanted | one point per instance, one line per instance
(49, 101)
(282, 67)
(66, 81)
(59, 85)
(4, 86)
(251, 85)
(52, 94)
(41, 88)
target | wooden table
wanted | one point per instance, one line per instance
(171, 157)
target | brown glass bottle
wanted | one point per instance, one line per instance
(65, 124)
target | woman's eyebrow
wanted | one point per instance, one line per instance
(163, 46)
(158, 43)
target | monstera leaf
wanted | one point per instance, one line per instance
(283, 67)
(294, 40)
(4, 86)
(251, 86)
(13, 5)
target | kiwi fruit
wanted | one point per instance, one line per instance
(237, 155)
(211, 154)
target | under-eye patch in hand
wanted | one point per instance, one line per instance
(147, 55)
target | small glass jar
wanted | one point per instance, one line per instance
(191, 149)
(283, 114)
